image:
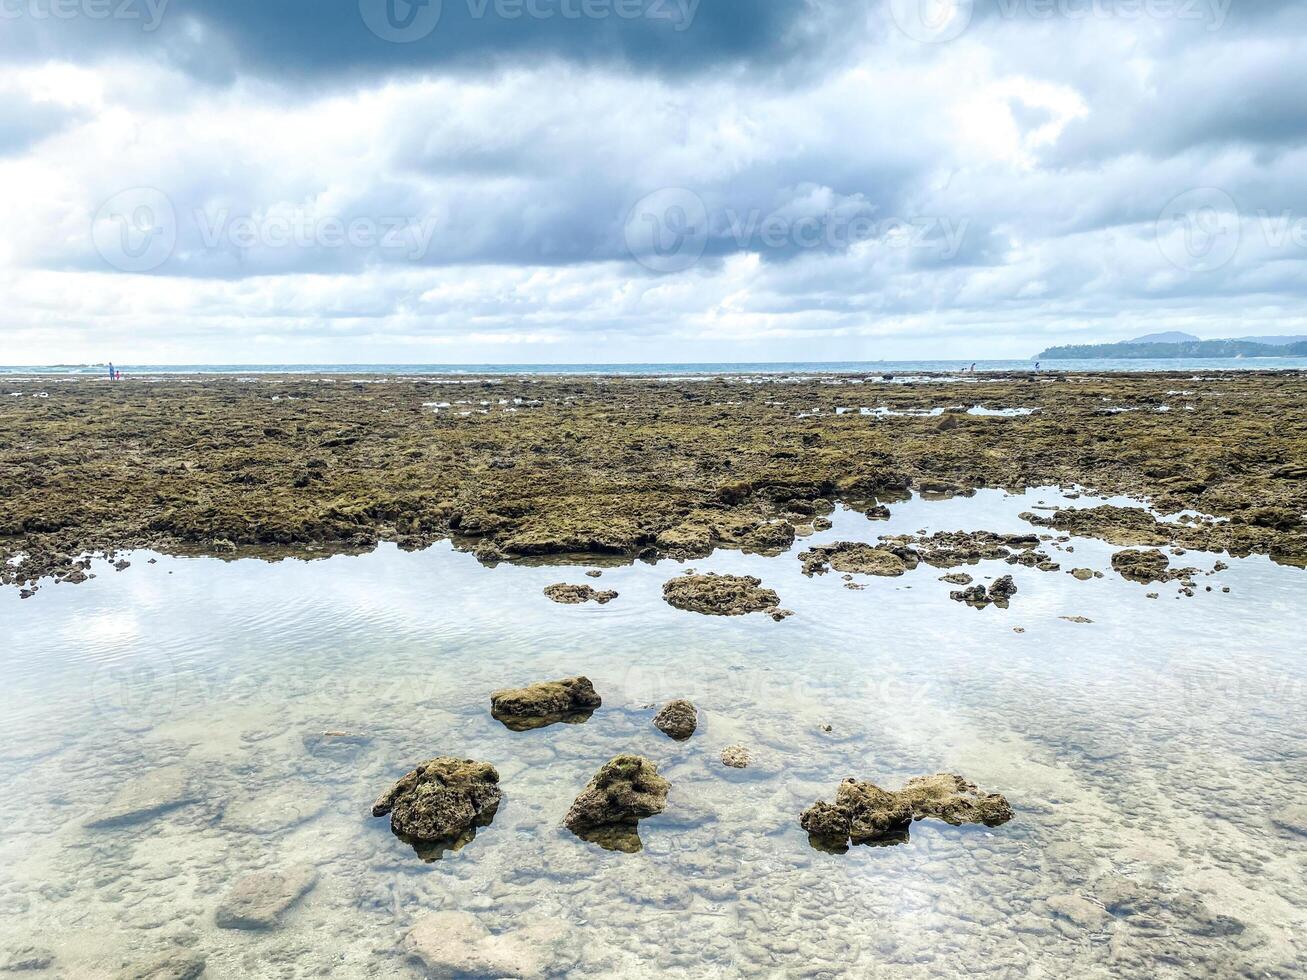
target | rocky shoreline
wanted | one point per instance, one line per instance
(516, 468)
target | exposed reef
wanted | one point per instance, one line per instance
(722, 595)
(677, 720)
(631, 468)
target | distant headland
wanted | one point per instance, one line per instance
(1175, 344)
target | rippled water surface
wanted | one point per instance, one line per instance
(1154, 757)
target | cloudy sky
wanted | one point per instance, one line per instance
(273, 181)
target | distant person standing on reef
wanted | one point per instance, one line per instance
(1036, 367)
(113, 375)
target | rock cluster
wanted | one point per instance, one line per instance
(998, 593)
(863, 813)
(571, 700)
(441, 803)
(722, 595)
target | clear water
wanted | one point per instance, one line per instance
(1145, 754)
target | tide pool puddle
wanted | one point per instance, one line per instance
(183, 733)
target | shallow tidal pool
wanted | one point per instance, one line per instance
(170, 729)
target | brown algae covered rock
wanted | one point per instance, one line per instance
(677, 720)
(571, 700)
(623, 792)
(575, 595)
(736, 757)
(1142, 566)
(863, 813)
(854, 557)
(439, 805)
(722, 595)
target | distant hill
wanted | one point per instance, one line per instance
(1170, 337)
(1194, 348)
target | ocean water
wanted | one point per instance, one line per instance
(1155, 758)
(677, 369)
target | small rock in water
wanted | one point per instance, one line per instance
(17, 959)
(736, 757)
(257, 901)
(623, 792)
(439, 805)
(571, 700)
(575, 595)
(1076, 619)
(340, 746)
(456, 944)
(866, 814)
(677, 720)
(147, 796)
(1142, 566)
(957, 578)
(1085, 574)
(594, 573)
(178, 965)
(1292, 818)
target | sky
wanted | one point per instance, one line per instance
(565, 181)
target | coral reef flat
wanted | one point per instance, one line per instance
(515, 468)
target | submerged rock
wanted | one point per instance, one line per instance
(736, 757)
(623, 792)
(571, 700)
(180, 964)
(457, 944)
(677, 720)
(257, 901)
(853, 556)
(722, 595)
(148, 796)
(17, 959)
(998, 593)
(863, 813)
(439, 805)
(575, 595)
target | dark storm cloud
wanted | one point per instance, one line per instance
(222, 39)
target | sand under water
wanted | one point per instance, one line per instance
(191, 747)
